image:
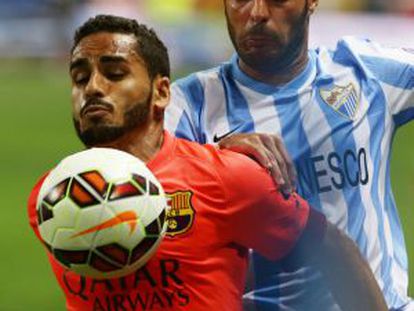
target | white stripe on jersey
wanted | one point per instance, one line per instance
(215, 112)
(334, 205)
(262, 110)
(175, 110)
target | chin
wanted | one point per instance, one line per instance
(97, 124)
(97, 120)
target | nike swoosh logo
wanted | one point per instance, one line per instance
(128, 217)
(216, 138)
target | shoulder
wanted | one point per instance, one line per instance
(368, 47)
(208, 154)
(222, 159)
(230, 167)
(368, 58)
(352, 49)
(243, 176)
(236, 172)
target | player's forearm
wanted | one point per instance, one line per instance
(351, 279)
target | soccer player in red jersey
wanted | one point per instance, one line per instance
(222, 203)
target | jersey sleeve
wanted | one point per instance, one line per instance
(31, 205)
(182, 116)
(393, 69)
(261, 217)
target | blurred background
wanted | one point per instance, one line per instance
(36, 131)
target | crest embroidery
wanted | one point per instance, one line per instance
(343, 99)
(181, 214)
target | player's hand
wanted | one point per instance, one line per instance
(269, 151)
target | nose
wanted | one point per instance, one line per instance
(260, 11)
(95, 86)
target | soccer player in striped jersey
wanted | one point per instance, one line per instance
(335, 111)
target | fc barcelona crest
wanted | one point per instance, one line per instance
(343, 99)
(181, 214)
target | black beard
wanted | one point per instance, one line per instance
(103, 134)
(287, 56)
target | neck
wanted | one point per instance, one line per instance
(143, 142)
(283, 73)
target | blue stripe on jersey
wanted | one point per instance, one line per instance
(376, 135)
(194, 94)
(341, 126)
(404, 117)
(292, 130)
(184, 129)
(238, 114)
(391, 71)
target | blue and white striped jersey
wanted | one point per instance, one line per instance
(337, 120)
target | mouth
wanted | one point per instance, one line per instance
(96, 108)
(95, 111)
(259, 41)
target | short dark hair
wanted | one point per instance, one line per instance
(149, 46)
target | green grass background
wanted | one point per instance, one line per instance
(36, 131)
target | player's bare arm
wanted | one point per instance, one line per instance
(351, 268)
(269, 151)
(309, 239)
(348, 274)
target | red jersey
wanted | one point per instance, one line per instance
(222, 204)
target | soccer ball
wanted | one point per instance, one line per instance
(101, 213)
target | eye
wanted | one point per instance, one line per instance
(80, 78)
(115, 75)
(114, 72)
(238, 4)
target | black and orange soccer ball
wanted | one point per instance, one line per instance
(101, 213)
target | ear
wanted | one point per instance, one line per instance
(312, 4)
(160, 96)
